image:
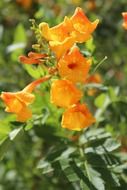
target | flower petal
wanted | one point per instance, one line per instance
(74, 66)
(64, 93)
(77, 117)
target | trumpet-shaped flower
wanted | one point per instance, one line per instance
(74, 66)
(63, 36)
(77, 117)
(58, 32)
(64, 93)
(58, 36)
(124, 14)
(18, 102)
(83, 27)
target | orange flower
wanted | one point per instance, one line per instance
(91, 4)
(124, 14)
(77, 117)
(64, 93)
(74, 66)
(26, 4)
(63, 36)
(60, 48)
(82, 26)
(96, 78)
(58, 36)
(58, 32)
(33, 58)
(18, 102)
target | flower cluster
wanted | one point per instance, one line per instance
(71, 69)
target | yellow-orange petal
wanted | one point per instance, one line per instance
(25, 97)
(82, 25)
(74, 66)
(77, 117)
(12, 103)
(60, 48)
(58, 32)
(81, 37)
(24, 114)
(64, 93)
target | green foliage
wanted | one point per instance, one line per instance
(19, 42)
(90, 161)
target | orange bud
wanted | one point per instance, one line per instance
(27, 60)
(64, 93)
(36, 55)
(33, 58)
(77, 117)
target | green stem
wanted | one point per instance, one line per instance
(98, 65)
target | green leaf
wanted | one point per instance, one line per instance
(4, 130)
(111, 145)
(68, 170)
(84, 186)
(20, 34)
(13, 134)
(102, 100)
(4, 147)
(45, 166)
(68, 152)
(33, 71)
(113, 93)
(95, 177)
(19, 42)
(90, 45)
